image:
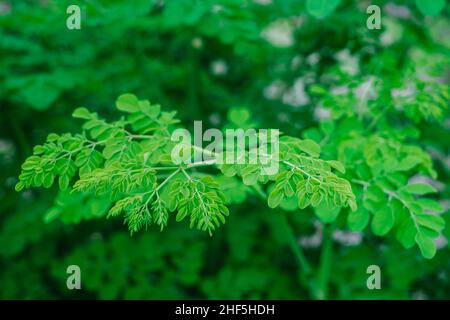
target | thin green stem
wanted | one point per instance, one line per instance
(301, 170)
(303, 263)
(378, 117)
(393, 194)
(365, 184)
(201, 163)
(70, 153)
(161, 185)
(259, 191)
(18, 132)
(326, 259)
(163, 168)
(295, 246)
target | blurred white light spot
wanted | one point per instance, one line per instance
(279, 33)
(397, 10)
(216, 8)
(441, 242)
(338, 90)
(263, 2)
(283, 117)
(215, 119)
(348, 239)
(313, 58)
(5, 8)
(274, 90)
(7, 151)
(296, 61)
(366, 90)
(320, 113)
(314, 240)
(296, 96)
(393, 32)
(197, 43)
(347, 63)
(219, 67)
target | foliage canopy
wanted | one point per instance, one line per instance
(364, 154)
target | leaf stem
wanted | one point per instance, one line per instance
(161, 185)
(301, 258)
(301, 170)
(326, 258)
(293, 244)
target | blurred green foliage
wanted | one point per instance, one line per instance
(313, 71)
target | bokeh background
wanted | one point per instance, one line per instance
(201, 58)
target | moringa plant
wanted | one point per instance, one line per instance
(131, 161)
(359, 95)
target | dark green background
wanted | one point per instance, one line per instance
(167, 51)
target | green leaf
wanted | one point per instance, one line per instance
(52, 137)
(112, 148)
(51, 215)
(303, 200)
(408, 163)
(48, 180)
(19, 186)
(239, 116)
(406, 233)
(310, 147)
(228, 170)
(81, 113)
(38, 179)
(321, 8)
(250, 179)
(41, 94)
(426, 245)
(358, 220)
(182, 213)
(63, 182)
(432, 222)
(31, 162)
(337, 165)
(275, 198)
(430, 205)
(318, 90)
(327, 214)
(151, 111)
(382, 222)
(128, 103)
(420, 188)
(430, 7)
(375, 194)
(316, 199)
(430, 233)
(38, 149)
